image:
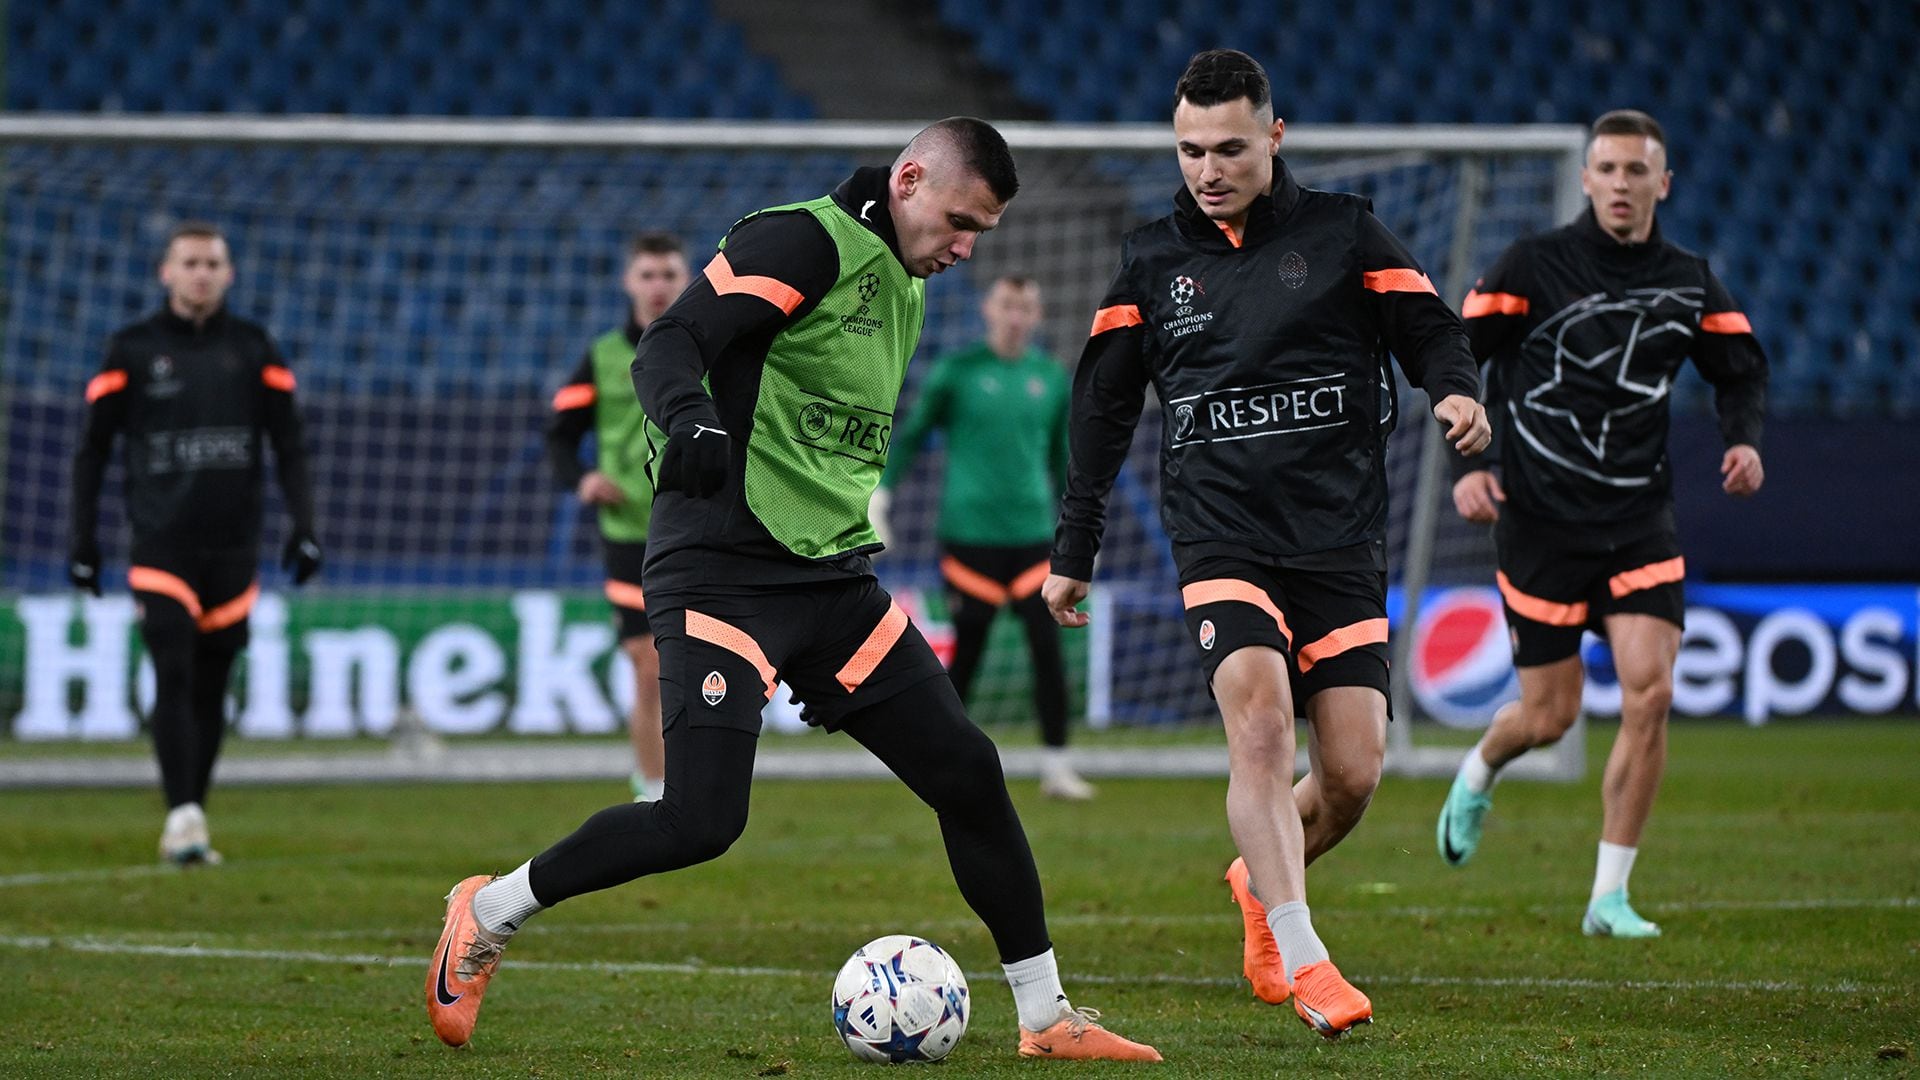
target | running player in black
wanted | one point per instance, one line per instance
(194, 389)
(1262, 313)
(773, 380)
(599, 397)
(1584, 329)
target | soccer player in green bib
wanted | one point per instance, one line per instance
(773, 381)
(599, 397)
(1002, 405)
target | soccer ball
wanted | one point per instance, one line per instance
(900, 998)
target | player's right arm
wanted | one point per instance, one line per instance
(773, 269)
(106, 416)
(1497, 312)
(1109, 387)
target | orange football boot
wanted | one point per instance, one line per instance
(1077, 1038)
(1260, 959)
(462, 966)
(1327, 1002)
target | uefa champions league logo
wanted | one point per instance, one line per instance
(1183, 289)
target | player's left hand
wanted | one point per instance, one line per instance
(301, 557)
(697, 460)
(1063, 595)
(1741, 471)
(597, 490)
(1466, 420)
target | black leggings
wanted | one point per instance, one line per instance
(922, 734)
(190, 671)
(973, 618)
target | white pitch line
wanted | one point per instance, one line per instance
(683, 926)
(109, 947)
(61, 877)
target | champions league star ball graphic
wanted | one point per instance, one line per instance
(1463, 658)
(900, 998)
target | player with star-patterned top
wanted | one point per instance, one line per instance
(1583, 330)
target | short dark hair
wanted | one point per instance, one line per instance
(1627, 122)
(978, 147)
(1218, 76)
(1017, 281)
(655, 242)
(197, 230)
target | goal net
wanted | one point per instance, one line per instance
(432, 282)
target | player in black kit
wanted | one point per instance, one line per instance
(193, 388)
(1584, 329)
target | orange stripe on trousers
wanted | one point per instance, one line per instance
(972, 582)
(1649, 576)
(626, 594)
(1216, 590)
(1352, 636)
(874, 649)
(147, 579)
(1550, 612)
(233, 611)
(734, 640)
(1030, 580)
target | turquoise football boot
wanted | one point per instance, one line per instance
(1611, 916)
(1458, 834)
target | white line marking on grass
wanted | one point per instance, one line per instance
(683, 926)
(110, 947)
(60, 877)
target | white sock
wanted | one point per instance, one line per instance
(180, 817)
(1054, 760)
(1476, 773)
(1037, 995)
(1610, 870)
(1293, 932)
(646, 788)
(504, 903)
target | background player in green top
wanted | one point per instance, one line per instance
(599, 398)
(1002, 406)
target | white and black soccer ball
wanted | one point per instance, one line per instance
(900, 998)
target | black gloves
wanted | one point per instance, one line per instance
(83, 565)
(697, 461)
(301, 556)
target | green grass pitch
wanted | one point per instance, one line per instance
(1784, 864)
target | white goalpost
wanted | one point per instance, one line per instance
(432, 281)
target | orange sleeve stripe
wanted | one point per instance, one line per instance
(627, 595)
(147, 579)
(233, 611)
(1726, 322)
(577, 396)
(1352, 636)
(736, 641)
(1030, 580)
(1479, 305)
(972, 582)
(772, 290)
(1649, 576)
(1220, 590)
(1114, 318)
(277, 378)
(107, 382)
(1550, 612)
(1398, 280)
(873, 650)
